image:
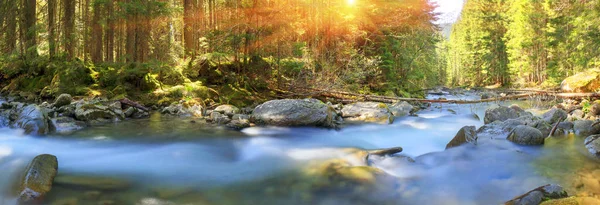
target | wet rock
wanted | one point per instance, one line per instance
(88, 111)
(510, 124)
(400, 109)
(37, 179)
(139, 114)
(67, 125)
(576, 115)
(520, 110)
(218, 118)
(565, 126)
(501, 113)
(593, 145)
(228, 110)
(386, 152)
(339, 174)
(62, 100)
(555, 115)
(544, 127)
(184, 110)
(239, 121)
(292, 112)
(526, 135)
(467, 134)
(129, 112)
(34, 120)
(91, 182)
(585, 128)
(367, 112)
(4, 118)
(488, 95)
(538, 195)
(588, 81)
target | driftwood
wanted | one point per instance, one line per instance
(348, 97)
(133, 104)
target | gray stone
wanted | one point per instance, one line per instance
(501, 113)
(400, 109)
(538, 195)
(90, 112)
(228, 110)
(593, 145)
(67, 125)
(292, 112)
(62, 100)
(369, 112)
(555, 115)
(34, 120)
(218, 118)
(37, 179)
(526, 135)
(467, 134)
(585, 128)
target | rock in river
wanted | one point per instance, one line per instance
(400, 109)
(538, 195)
(555, 115)
(228, 110)
(367, 112)
(501, 113)
(293, 112)
(37, 178)
(526, 135)
(464, 135)
(62, 100)
(34, 120)
(593, 145)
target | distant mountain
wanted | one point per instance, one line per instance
(446, 29)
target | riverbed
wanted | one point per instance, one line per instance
(169, 160)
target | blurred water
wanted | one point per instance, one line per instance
(177, 152)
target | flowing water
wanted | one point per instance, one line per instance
(165, 160)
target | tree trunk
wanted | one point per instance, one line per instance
(96, 41)
(110, 32)
(189, 28)
(51, 28)
(68, 27)
(10, 38)
(130, 51)
(29, 31)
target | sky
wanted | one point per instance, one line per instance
(449, 10)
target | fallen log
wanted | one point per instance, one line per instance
(355, 97)
(133, 104)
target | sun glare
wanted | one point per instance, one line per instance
(350, 2)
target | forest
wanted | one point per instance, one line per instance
(229, 51)
(523, 43)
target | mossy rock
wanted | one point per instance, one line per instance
(587, 81)
(37, 179)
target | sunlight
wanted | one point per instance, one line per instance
(351, 2)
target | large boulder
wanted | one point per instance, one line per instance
(37, 179)
(538, 195)
(572, 201)
(501, 113)
(555, 115)
(585, 128)
(593, 145)
(294, 112)
(67, 125)
(467, 134)
(525, 135)
(62, 100)
(89, 112)
(367, 112)
(228, 110)
(33, 119)
(400, 109)
(184, 110)
(588, 81)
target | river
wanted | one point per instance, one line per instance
(204, 164)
